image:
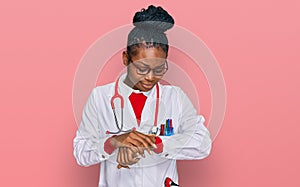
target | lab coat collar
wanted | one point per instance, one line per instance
(126, 91)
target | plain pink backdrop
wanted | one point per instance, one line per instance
(255, 42)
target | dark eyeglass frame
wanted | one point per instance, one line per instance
(150, 69)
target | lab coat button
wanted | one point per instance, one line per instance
(103, 156)
(166, 155)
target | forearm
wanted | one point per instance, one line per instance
(89, 150)
(89, 141)
(188, 146)
(191, 139)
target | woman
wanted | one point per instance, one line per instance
(135, 138)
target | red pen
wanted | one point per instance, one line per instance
(162, 130)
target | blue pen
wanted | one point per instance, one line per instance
(168, 127)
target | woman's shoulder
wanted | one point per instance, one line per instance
(171, 89)
(104, 89)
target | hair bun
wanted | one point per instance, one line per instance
(153, 18)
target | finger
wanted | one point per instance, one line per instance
(134, 149)
(134, 161)
(132, 157)
(152, 137)
(119, 160)
(119, 156)
(140, 140)
(150, 141)
(135, 142)
(126, 161)
(120, 140)
(125, 152)
(149, 151)
(141, 151)
(122, 156)
(135, 138)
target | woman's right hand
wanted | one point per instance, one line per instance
(136, 141)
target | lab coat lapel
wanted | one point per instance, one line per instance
(129, 116)
(148, 113)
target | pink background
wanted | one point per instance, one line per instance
(255, 42)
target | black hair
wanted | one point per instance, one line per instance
(149, 31)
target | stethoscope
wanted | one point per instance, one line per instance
(154, 129)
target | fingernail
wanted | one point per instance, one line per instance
(153, 145)
(151, 152)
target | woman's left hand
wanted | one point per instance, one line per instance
(126, 157)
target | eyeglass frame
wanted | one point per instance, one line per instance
(150, 69)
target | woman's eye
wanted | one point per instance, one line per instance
(143, 69)
(159, 70)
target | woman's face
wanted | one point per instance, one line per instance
(153, 59)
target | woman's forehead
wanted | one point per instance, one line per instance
(149, 53)
(150, 56)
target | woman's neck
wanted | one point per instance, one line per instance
(129, 83)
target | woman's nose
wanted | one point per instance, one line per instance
(150, 76)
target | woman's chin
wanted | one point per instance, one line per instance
(147, 87)
(143, 88)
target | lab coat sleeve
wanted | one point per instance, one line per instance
(192, 141)
(88, 144)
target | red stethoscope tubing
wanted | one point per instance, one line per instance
(118, 96)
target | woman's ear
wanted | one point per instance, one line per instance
(125, 58)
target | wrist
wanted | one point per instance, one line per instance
(113, 141)
(159, 145)
(108, 145)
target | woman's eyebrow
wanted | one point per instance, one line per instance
(160, 65)
(140, 63)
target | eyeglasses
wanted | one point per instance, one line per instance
(157, 71)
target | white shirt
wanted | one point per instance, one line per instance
(190, 141)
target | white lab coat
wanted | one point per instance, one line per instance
(191, 139)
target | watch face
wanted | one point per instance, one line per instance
(155, 130)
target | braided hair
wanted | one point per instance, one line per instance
(149, 31)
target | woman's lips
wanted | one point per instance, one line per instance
(147, 86)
